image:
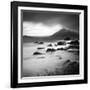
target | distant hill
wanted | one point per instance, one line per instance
(65, 33)
(60, 35)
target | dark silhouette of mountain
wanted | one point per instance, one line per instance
(60, 35)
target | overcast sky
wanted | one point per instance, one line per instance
(46, 23)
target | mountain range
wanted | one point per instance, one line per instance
(60, 35)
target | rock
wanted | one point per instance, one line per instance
(36, 42)
(55, 44)
(61, 48)
(60, 57)
(41, 42)
(73, 47)
(60, 43)
(50, 45)
(74, 42)
(66, 62)
(40, 48)
(50, 50)
(67, 38)
(37, 53)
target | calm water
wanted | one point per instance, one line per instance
(55, 63)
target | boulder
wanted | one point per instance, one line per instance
(37, 53)
(60, 43)
(50, 50)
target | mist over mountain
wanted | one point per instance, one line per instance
(60, 35)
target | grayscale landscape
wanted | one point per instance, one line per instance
(50, 44)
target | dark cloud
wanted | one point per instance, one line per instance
(69, 20)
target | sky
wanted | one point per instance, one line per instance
(46, 23)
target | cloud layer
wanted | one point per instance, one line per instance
(40, 29)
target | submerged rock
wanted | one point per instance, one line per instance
(60, 57)
(66, 62)
(36, 42)
(41, 42)
(55, 44)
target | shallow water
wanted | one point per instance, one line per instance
(48, 63)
